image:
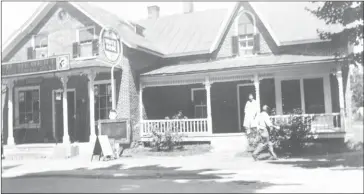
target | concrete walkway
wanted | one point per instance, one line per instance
(329, 174)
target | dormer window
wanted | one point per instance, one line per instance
(87, 43)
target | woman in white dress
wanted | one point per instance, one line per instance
(251, 110)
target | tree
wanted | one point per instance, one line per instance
(350, 15)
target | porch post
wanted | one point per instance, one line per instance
(278, 94)
(341, 97)
(91, 77)
(10, 85)
(208, 103)
(348, 99)
(257, 90)
(141, 107)
(66, 137)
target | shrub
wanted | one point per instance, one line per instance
(165, 140)
(291, 136)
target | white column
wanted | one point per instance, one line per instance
(302, 91)
(141, 107)
(10, 85)
(257, 90)
(327, 94)
(341, 98)
(278, 94)
(208, 104)
(66, 137)
(348, 98)
(91, 77)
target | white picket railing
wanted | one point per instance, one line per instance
(327, 122)
(184, 126)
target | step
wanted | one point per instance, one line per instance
(231, 144)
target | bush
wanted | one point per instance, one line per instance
(291, 136)
(165, 140)
(168, 138)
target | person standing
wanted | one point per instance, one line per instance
(251, 111)
(263, 125)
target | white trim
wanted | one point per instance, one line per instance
(238, 99)
(193, 90)
(223, 28)
(16, 105)
(327, 97)
(53, 107)
(266, 25)
(101, 82)
(327, 94)
(85, 28)
(302, 92)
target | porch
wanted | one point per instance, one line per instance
(58, 106)
(212, 95)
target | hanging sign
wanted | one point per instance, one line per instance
(111, 46)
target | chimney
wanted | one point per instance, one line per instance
(153, 12)
(187, 7)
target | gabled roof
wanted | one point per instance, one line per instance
(98, 15)
(289, 23)
(185, 33)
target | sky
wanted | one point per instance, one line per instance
(12, 20)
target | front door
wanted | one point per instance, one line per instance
(58, 115)
(243, 94)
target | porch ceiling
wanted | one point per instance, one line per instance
(240, 63)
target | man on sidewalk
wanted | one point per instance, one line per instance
(263, 125)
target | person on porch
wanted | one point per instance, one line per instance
(263, 125)
(251, 111)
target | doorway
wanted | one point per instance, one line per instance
(243, 91)
(57, 107)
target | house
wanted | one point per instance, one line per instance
(62, 66)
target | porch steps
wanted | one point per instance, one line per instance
(229, 144)
(28, 151)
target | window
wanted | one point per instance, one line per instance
(40, 42)
(27, 106)
(198, 96)
(246, 34)
(103, 100)
(314, 95)
(291, 96)
(86, 37)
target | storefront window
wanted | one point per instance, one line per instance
(28, 108)
(103, 101)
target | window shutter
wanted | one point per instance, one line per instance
(256, 46)
(30, 53)
(235, 45)
(95, 47)
(75, 50)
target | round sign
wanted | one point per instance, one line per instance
(110, 44)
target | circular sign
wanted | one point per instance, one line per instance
(110, 44)
(63, 63)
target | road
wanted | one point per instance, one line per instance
(187, 174)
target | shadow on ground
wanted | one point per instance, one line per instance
(349, 161)
(114, 178)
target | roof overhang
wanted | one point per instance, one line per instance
(255, 62)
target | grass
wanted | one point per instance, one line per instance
(186, 150)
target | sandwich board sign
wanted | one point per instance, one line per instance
(102, 147)
(116, 129)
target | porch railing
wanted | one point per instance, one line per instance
(184, 126)
(328, 122)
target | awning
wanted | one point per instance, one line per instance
(239, 63)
